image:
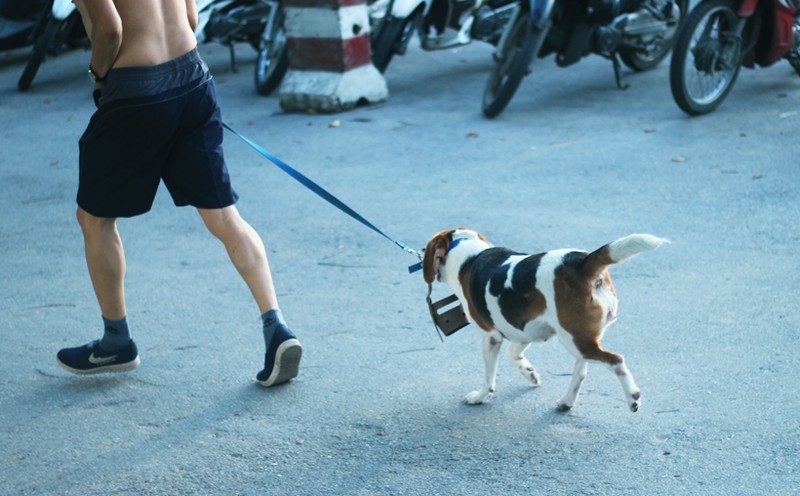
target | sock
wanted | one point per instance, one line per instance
(273, 322)
(116, 334)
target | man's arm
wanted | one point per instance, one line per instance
(191, 13)
(104, 28)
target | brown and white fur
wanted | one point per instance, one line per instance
(565, 293)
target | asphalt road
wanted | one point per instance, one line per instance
(708, 324)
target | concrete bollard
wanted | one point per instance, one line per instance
(330, 64)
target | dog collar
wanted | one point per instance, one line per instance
(455, 243)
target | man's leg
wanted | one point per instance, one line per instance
(246, 250)
(105, 259)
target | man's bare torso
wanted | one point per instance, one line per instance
(153, 31)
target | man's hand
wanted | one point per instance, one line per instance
(97, 92)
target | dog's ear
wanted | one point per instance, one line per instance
(434, 252)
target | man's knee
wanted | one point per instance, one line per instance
(222, 222)
(90, 223)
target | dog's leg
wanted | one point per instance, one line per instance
(632, 393)
(491, 353)
(578, 375)
(592, 351)
(516, 353)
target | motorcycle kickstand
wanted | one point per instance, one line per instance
(618, 71)
(232, 50)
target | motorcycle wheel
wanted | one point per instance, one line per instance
(705, 63)
(795, 63)
(384, 42)
(640, 60)
(40, 48)
(793, 55)
(272, 61)
(511, 65)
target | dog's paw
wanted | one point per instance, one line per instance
(478, 397)
(636, 402)
(527, 370)
(531, 374)
(562, 406)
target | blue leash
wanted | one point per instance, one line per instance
(325, 195)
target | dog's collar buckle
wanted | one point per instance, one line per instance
(447, 318)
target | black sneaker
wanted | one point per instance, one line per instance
(92, 359)
(282, 360)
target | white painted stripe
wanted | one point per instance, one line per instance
(344, 22)
(361, 82)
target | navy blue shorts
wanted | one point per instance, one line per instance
(135, 141)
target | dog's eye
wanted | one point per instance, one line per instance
(598, 283)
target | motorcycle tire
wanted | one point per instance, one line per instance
(639, 60)
(384, 42)
(40, 48)
(795, 63)
(511, 65)
(699, 78)
(272, 62)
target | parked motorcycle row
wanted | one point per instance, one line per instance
(710, 41)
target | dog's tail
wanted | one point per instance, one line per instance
(619, 251)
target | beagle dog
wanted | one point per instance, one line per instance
(565, 293)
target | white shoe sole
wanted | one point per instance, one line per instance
(122, 367)
(287, 363)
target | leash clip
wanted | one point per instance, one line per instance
(417, 266)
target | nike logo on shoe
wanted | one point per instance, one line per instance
(101, 360)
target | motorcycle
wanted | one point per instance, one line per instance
(58, 29)
(257, 22)
(440, 23)
(721, 36)
(17, 21)
(639, 32)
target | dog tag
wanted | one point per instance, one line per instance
(448, 317)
